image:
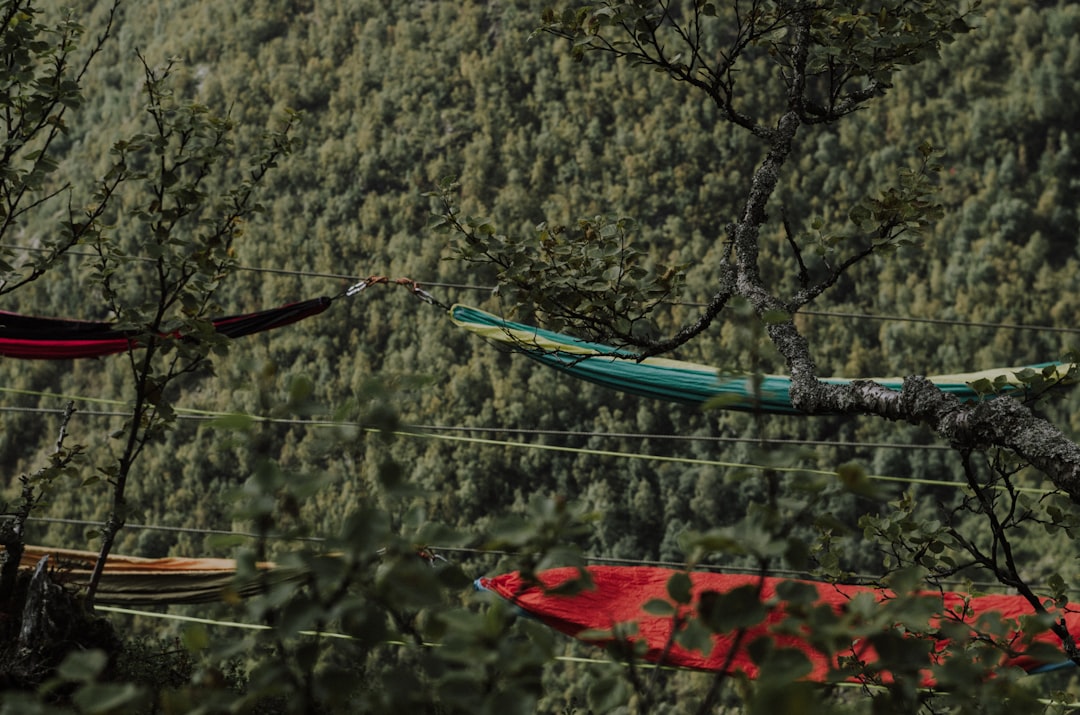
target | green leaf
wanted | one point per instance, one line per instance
(797, 592)
(608, 693)
(1025, 375)
(83, 666)
(658, 607)
(225, 541)
(854, 478)
(300, 389)
(722, 401)
(723, 612)
(595, 634)
(906, 580)
(234, 421)
(679, 587)
(696, 636)
(786, 664)
(775, 317)
(104, 698)
(195, 638)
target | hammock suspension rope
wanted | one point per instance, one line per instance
(236, 326)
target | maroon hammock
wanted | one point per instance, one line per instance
(32, 338)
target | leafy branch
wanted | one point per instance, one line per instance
(998, 557)
(653, 34)
(589, 276)
(39, 83)
(189, 236)
(35, 490)
(898, 217)
(859, 51)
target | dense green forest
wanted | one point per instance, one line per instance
(382, 406)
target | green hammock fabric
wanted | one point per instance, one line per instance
(674, 380)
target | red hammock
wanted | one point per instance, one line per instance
(33, 338)
(619, 593)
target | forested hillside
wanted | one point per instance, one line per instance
(381, 402)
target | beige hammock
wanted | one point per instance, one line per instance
(130, 580)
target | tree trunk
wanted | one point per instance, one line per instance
(44, 623)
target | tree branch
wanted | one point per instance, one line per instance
(1002, 422)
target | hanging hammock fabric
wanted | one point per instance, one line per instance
(619, 593)
(132, 580)
(675, 380)
(34, 338)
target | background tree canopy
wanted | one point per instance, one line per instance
(383, 418)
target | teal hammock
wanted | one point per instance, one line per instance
(689, 383)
